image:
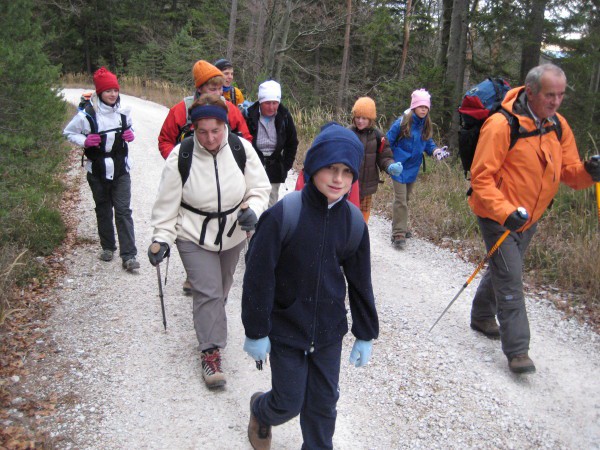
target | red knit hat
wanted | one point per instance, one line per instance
(104, 80)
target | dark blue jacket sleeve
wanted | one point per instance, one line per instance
(357, 269)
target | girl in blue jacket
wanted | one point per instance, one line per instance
(410, 137)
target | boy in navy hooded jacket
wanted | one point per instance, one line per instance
(293, 304)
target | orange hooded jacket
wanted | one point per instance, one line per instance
(528, 174)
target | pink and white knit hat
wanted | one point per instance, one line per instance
(420, 97)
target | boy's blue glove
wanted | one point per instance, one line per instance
(361, 352)
(395, 169)
(257, 348)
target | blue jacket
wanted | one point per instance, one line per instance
(409, 151)
(295, 293)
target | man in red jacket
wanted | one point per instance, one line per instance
(208, 80)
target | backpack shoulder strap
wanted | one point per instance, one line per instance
(188, 104)
(124, 125)
(184, 161)
(292, 204)
(380, 138)
(238, 150)
(90, 115)
(558, 127)
(513, 123)
(357, 229)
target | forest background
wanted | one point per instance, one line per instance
(325, 54)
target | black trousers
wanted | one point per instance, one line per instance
(109, 195)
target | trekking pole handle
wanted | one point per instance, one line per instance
(155, 248)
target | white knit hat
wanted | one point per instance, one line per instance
(269, 91)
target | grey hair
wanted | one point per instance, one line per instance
(533, 80)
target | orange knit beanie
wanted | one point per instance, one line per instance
(204, 71)
(364, 107)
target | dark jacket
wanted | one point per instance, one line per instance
(295, 294)
(374, 160)
(280, 162)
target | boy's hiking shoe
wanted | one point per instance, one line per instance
(521, 363)
(187, 287)
(131, 264)
(259, 434)
(106, 255)
(488, 327)
(211, 368)
(399, 241)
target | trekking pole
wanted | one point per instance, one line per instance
(479, 267)
(155, 248)
(597, 158)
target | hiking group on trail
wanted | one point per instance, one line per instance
(219, 188)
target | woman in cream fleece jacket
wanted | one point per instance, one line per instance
(208, 217)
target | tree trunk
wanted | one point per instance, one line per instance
(344, 69)
(231, 35)
(407, 15)
(284, 37)
(446, 20)
(456, 67)
(532, 38)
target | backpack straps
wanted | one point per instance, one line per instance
(515, 128)
(292, 204)
(186, 150)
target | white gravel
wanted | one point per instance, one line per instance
(122, 382)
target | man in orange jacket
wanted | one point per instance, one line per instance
(208, 80)
(527, 174)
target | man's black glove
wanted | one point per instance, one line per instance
(247, 219)
(517, 219)
(593, 167)
(157, 252)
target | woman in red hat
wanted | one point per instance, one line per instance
(103, 129)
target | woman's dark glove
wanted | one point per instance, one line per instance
(157, 252)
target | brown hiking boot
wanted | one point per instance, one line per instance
(399, 241)
(187, 287)
(211, 368)
(259, 434)
(489, 327)
(521, 363)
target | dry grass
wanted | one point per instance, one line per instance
(160, 92)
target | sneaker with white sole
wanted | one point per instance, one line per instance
(211, 368)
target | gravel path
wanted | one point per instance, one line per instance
(122, 382)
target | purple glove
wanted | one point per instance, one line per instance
(441, 153)
(128, 135)
(92, 140)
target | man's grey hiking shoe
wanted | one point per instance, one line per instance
(131, 264)
(106, 255)
(521, 363)
(259, 434)
(399, 241)
(488, 327)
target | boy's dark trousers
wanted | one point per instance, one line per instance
(305, 384)
(108, 195)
